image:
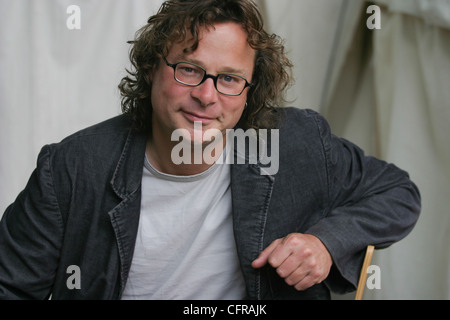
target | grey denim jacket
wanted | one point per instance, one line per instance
(81, 208)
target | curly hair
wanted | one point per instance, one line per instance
(174, 20)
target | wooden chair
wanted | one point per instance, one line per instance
(363, 275)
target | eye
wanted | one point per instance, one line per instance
(189, 70)
(229, 78)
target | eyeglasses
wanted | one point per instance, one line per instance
(193, 75)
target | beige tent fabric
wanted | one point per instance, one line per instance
(310, 28)
(412, 76)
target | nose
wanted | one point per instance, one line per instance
(205, 93)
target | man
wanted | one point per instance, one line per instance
(111, 213)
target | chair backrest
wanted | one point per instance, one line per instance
(363, 275)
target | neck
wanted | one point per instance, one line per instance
(165, 155)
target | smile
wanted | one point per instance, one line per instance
(193, 117)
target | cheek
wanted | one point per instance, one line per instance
(165, 91)
(232, 110)
(237, 105)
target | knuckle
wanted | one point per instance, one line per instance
(300, 287)
(273, 262)
(289, 282)
(281, 273)
(312, 264)
(307, 252)
(293, 241)
(316, 274)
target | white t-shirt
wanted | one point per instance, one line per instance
(185, 247)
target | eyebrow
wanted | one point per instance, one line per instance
(182, 58)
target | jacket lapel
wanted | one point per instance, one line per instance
(126, 183)
(251, 193)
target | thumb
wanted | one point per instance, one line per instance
(263, 258)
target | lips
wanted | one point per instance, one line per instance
(195, 117)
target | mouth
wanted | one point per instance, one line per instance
(194, 117)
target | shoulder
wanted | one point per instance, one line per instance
(101, 141)
(306, 123)
(111, 127)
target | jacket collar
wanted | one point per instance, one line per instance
(128, 174)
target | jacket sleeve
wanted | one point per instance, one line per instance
(370, 202)
(30, 237)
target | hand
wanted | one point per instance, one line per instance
(301, 260)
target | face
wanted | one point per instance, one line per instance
(223, 48)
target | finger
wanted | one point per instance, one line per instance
(305, 277)
(307, 282)
(284, 251)
(296, 277)
(263, 258)
(288, 267)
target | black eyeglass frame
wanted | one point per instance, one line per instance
(207, 76)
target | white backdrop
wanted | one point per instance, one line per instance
(54, 80)
(385, 89)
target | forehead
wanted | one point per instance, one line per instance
(224, 43)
